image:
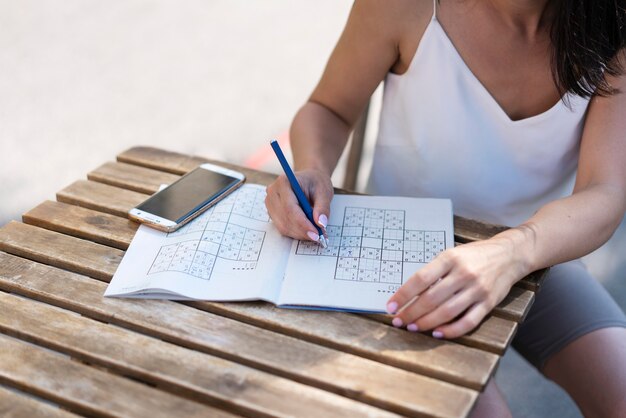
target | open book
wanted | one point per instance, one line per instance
(233, 252)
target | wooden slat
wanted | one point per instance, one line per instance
(88, 224)
(240, 389)
(351, 333)
(131, 177)
(60, 250)
(16, 405)
(533, 280)
(473, 367)
(87, 390)
(177, 163)
(493, 334)
(159, 159)
(101, 197)
(346, 374)
(469, 230)
(515, 305)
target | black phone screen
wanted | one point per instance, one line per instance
(188, 194)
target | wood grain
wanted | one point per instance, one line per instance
(350, 333)
(101, 197)
(64, 251)
(199, 376)
(173, 162)
(16, 405)
(473, 367)
(87, 390)
(88, 224)
(315, 365)
(131, 177)
(515, 305)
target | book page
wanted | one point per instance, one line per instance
(230, 252)
(375, 244)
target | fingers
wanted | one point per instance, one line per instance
(430, 302)
(445, 312)
(419, 282)
(470, 320)
(286, 213)
(321, 198)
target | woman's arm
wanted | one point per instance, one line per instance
(369, 47)
(476, 277)
(584, 221)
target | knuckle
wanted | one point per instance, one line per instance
(481, 290)
(470, 323)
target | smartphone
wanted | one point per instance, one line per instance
(186, 198)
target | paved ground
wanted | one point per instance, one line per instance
(82, 80)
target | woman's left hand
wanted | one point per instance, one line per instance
(458, 288)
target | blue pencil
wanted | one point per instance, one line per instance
(295, 186)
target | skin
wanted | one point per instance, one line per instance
(506, 45)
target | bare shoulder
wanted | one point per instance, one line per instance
(401, 22)
(380, 36)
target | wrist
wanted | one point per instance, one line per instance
(315, 167)
(520, 245)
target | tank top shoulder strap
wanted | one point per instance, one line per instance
(434, 10)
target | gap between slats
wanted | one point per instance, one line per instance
(194, 375)
(346, 374)
(34, 243)
(18, 404)
(86, 390)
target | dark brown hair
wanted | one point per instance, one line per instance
(587, 36)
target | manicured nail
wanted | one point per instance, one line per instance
(437, 334)
(313, 236)
(397, 322)
(412, 327)
(392, 307)
(323, 220)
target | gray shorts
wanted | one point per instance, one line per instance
(569, 305)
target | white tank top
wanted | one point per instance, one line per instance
(442, 134)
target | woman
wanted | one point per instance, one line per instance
(498, 105)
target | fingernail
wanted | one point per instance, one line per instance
(392, 307)
(412, 327)
(323, 220)
(397, 322)
(437, 334)
(314, 236)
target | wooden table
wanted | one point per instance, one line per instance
(63, 343)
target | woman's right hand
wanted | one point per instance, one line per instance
(287, 214)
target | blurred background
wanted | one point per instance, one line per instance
(83, 80)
